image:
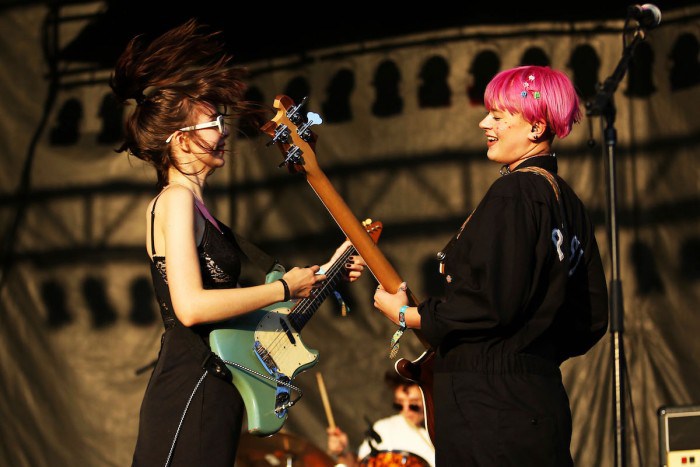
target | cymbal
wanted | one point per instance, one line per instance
(280, 449)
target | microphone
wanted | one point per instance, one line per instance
(648, 15)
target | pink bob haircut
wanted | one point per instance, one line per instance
(536, 93)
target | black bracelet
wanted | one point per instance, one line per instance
(287, 294)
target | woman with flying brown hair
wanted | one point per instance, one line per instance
(184, 86)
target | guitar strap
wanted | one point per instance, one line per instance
(257, 256)
(555, 187)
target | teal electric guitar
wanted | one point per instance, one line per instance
(264, 351)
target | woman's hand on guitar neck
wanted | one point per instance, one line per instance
(390, 304)
(353, 267)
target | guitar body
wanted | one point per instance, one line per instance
(420, 371)
(237, 341)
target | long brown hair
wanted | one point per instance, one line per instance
(167, 78)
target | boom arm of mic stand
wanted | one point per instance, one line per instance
(601, 102)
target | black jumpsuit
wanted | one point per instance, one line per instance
(525, 291)
(210, 429)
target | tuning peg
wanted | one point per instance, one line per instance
(294, 156)
(281, 135)
(312, 119)
(293, 112)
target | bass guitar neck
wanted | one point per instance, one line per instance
(290, 131)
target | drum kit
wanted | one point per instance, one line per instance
(393, 459)
(288, 450)
(280, 450)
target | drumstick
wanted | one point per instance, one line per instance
(324, 398)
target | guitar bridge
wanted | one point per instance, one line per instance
(282, 394)
(265, 358)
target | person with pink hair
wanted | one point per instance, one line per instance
(525, 289)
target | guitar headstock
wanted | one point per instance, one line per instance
(291, 132)
(374, 229)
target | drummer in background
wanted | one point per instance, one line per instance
(404, 431)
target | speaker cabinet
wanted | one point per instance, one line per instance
(679, 436)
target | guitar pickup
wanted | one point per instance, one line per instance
(288, 332)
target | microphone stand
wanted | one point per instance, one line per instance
(372, 437)
(603, 105)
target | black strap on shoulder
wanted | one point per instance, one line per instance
(153, 222)
(555, 187)
(257, 256)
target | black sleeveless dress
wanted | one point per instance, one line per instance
(208, 433)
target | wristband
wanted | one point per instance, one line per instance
(287, 294)
(394, 344)
(402, 316)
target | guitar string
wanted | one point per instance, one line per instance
(306, 303)
(328, 287)
(302, 310)
(303, 306)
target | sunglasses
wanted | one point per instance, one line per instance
(219, 123)
(412, 407)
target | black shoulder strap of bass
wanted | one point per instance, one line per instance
(257, 256)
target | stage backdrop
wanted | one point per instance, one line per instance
(400, 142)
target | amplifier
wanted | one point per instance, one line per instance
(679, 436)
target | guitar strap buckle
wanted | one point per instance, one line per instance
(214, 365)
(442, 254)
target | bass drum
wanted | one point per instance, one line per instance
(393, 459)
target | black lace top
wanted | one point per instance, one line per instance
(219, 263)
